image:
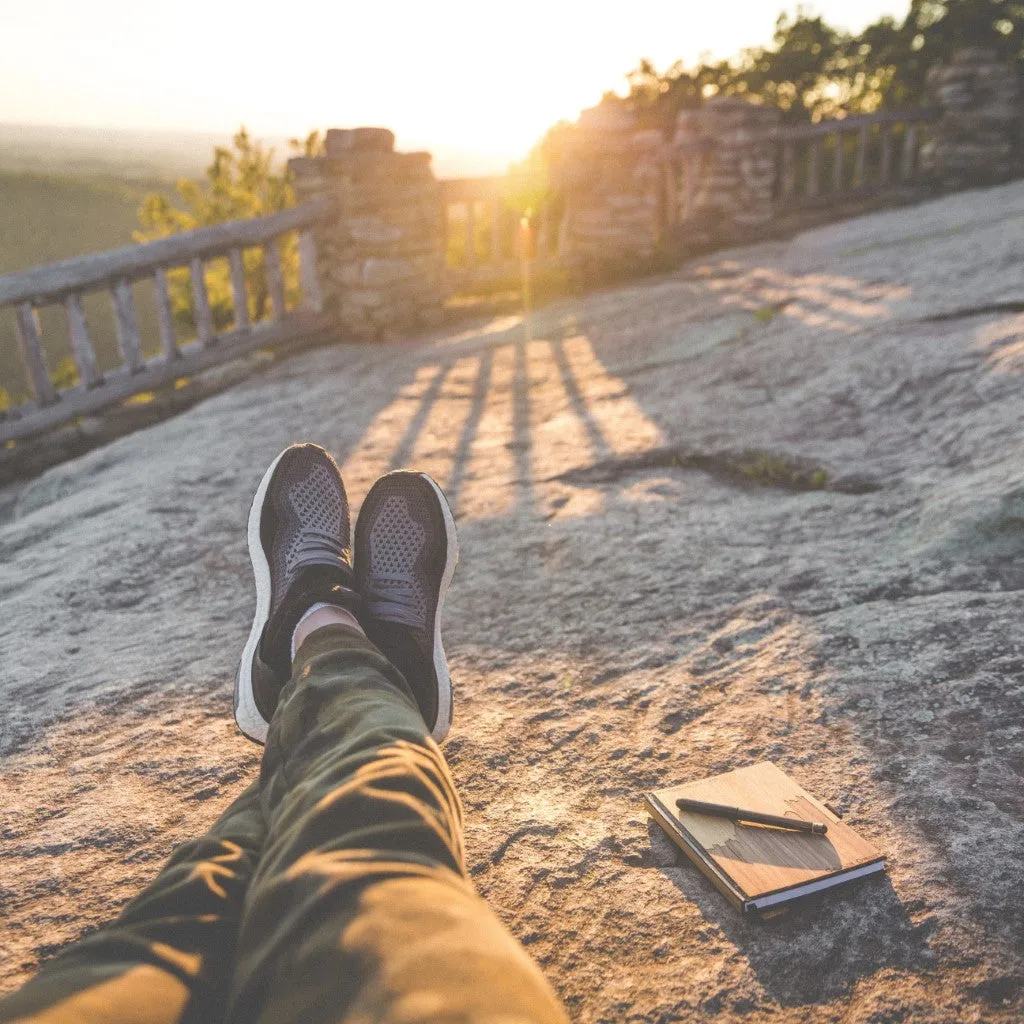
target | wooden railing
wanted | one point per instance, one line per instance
(66, 283)
(860, 155)
(485, 241)
(484, 237)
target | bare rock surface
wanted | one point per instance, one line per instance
(768, 507)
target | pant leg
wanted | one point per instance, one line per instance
(169, 956)
(361, 909)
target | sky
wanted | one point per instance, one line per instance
(475, 82)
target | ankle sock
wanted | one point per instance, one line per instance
(313, 608)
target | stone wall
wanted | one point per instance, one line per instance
(630, 195)
(977, 137)
(380, 254)
(614, 182)
(734, 191)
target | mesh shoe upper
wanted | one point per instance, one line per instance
(402, 549)
(306, 536)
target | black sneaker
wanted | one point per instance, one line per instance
(405, 555)
(299, 538)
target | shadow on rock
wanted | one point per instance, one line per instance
(823, 946)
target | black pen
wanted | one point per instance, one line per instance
(818, 828)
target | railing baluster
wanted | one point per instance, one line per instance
(471, 233)
(671, 186)
(909, 152)
(275, 279)
(201, 302)
(788, 170)
(445, 218)
(165, 315)
(837, 166)
(862, 156)
(689, 185)
(814, 167)
(30, 339)
(81, 346)
(544, 231)
(497, 209)
(239, 297)
(885, 164)
(127, 326)
(309, 276)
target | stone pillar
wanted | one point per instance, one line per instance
(735, 192)
(979, 126)
(381, 252)
(614, 182)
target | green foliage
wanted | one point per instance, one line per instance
(241, 182)
(812, 70)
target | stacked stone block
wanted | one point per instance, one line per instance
(614, 181)
(978, 132)
(736, 179)
(380, 253)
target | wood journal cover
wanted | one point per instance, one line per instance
(754, 866)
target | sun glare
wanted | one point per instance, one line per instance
(478, 85)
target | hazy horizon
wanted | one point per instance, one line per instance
(115, 66)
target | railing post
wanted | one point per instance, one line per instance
(30, 340)
(275, 278)
(909, 157)
(127, 326)
(837, 166)
(497, 234)
(814, 167)
(81, 346)
(544, 229)
(201, 302)
(788, 185)
(862, 156)
(885, 162)
(164, 315)
(470, 233)
(309, 279)
(239, 296)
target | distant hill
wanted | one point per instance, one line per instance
(131, 154)
(138, 154)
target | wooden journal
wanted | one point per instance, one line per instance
(754, 866)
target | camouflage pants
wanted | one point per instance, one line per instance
(333, 889)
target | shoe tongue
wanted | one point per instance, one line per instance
(329, 581)
(316, 548)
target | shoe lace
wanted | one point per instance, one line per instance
(313, 543)
(394, 599)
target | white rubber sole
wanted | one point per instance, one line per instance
(247, 714)
(444, 678)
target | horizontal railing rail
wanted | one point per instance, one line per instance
(66, 284)
(50, 282)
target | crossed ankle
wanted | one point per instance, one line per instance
(316, 617)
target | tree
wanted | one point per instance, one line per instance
(811, 70)
(241, 182)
